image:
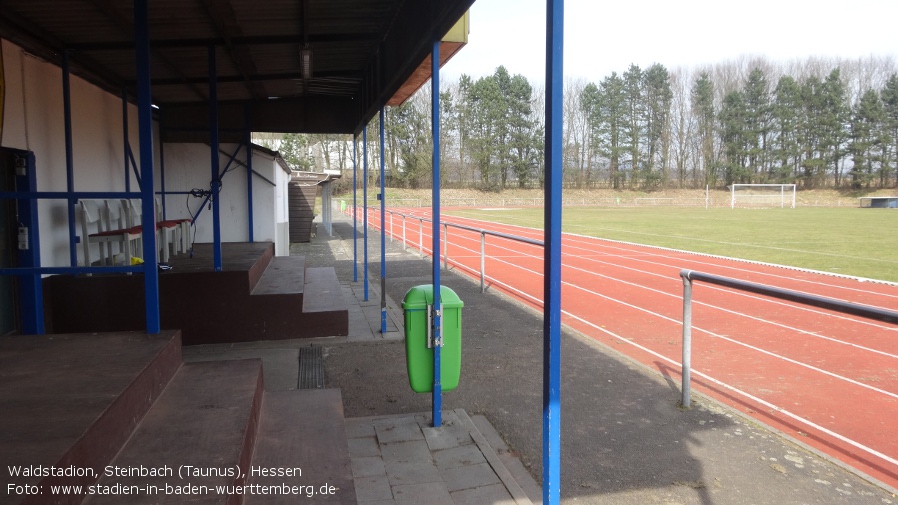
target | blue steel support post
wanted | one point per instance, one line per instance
(383, 235)
(215, 185)
(145, 127)
(127, 165)
(31, 289)
(552, 251)
(249, 172)
(365, 203)
(437, 305)
(69, 156)
(161, 177)
(355, 210)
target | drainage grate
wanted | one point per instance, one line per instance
(311, 367)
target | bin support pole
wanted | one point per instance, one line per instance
(365, 204)
(437, 305)
(404, 243)
(355, 210)
(421, 236)
(687, 343)
(552, 252)
(383, 231)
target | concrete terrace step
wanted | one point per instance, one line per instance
(73, 400)
(284, 275)
(207, 418)
(323, 291)
(324, 309)
(304, 431)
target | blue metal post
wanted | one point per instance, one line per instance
(69, 155)
(365, 203)
(125, 144)
(383, 236)
(552, 251)
(145, 127)
(249, 173)
(437, 305)
(355, 210)
(161, 177)
(30, 285)
(215, 185)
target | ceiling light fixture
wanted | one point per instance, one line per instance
(306, 62)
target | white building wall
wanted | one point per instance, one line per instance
(188, 166)
(33, 120)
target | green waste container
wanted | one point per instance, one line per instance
(419, 358)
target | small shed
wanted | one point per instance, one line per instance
(879, 202)
(303, 189)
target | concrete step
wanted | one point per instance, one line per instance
(284, 275)
(73, 401)
(200, 432)
(302, 450)
(324, 309)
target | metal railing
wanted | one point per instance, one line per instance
(446, 225)
(689, 276)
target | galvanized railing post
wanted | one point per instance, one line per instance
(421, 236)
(482, 261)
(687, 339)
(445, 247)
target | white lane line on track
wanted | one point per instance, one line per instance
(706, 255)
(745, 394)
(711, 333)
(723, 290)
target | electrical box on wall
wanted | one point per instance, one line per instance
(21, 166)
(23, 238)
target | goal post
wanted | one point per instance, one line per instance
(763, 195)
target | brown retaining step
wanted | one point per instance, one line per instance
(302, 446)
(199, 435)
(73, 400)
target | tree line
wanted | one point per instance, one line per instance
(816, 123)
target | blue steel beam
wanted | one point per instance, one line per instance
(355, 210)
(30, 285)
(249, 172)
(125, 143)
(383, 236)
(145, 126)
(215, 184)
(437, 305)
(552, 252)
(69, 154)
(365, 203)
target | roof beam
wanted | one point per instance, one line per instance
(225, 22)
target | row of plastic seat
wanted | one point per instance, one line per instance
(118, 222)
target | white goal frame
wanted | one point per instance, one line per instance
(791, 188)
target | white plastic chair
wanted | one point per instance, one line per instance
(111, 228)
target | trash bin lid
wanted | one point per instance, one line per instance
(419, 297)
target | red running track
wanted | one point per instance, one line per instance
(826, 379)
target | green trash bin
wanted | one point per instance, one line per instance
(419, 358)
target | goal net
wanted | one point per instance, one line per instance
(762, 195)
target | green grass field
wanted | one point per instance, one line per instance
(851, 241)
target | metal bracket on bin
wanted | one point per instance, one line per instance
(430, 315)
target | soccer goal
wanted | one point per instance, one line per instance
(762, 195)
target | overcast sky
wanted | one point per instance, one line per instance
(604, 36)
